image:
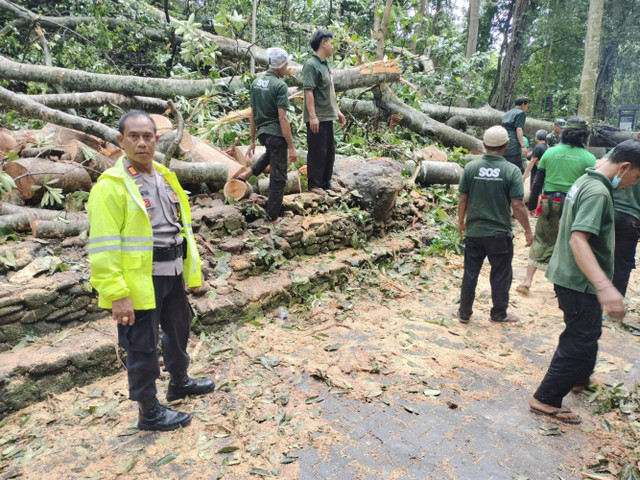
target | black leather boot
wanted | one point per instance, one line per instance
(156, 417)
(182, 385)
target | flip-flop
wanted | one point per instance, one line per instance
(555, 414)
(522, 289)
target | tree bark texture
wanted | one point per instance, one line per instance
(366, 75)
(30, 172)
(214, 174)
(481, 117)
(412, 119)
(292, 185)
(97, 99)
(591, 59)
(57, 228)
(19, 218)
(502, 98)
(382, 31)
(474, 20)
(448, 173)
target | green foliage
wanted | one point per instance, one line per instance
(6, 183)
(53, 195)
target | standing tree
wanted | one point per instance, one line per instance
(504, 89)
(474, 19)
(591, 59)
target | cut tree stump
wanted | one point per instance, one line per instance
(203, 151)
(30, 172)
(7, 142)
(237, 189)
(292, 186)
(57, 228)
(163, 124)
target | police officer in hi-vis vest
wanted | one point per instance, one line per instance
(142, 251)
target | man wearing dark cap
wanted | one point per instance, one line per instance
(269, 105)
(490, 188)
(553, 138)
(320, 111)
(513, 122)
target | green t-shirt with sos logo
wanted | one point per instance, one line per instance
(491, 183)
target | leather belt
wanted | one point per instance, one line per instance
(166, 254)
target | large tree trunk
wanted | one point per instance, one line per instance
(214, 174)
(503, 96)
(97, 99)
(484, 117)
(591, 59)
(474, 19)
(382, 31)
(547, 64)
(366, 75)
(19, 218)
(389, 106)
(292, 186)
(608, 59)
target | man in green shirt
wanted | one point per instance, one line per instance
(581, 269)
(553, 138)
(489, 189)
(269, 104)
(320, 111)
(626, 203)
(513, 122)
(559, 167)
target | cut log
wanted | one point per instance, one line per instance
(163, 124)
(203, 151)
(19, 218)
(237, 189)
(29, 172)
(292, 186)
(57, 228)
(448, 173)
(167, 138)
(94, 162)
(248, 161)
(7, 142)
(191, 173)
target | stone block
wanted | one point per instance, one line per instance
(62, 301)
(312, 249)
(35, 298)
(72, 316)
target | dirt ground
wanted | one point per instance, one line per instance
(388, 335)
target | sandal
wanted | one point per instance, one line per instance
(523, 289)
(557, 415)
(508, 319)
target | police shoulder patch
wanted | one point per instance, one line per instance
(132, 171)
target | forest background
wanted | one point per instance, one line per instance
(452, 53)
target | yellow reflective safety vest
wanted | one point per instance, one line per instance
(121, 239)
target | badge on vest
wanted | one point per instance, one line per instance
(132, 171)
(147, 202)
(174, 197)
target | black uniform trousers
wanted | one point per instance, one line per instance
(276, 157)
(575, 357)
(516, 160)
(499, 250)
(321, 155)
(173, 314)
(627, 232)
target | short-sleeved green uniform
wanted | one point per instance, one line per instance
(563, 164)
(588, 208)
(513, 120)
(268, 93)
(491, 184)
(316, 76)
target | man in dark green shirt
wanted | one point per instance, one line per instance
(513, 122)
(626, 203)
(553, 138)
(581, 269)
(269, 104)
(489, 189)
(320, 111)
